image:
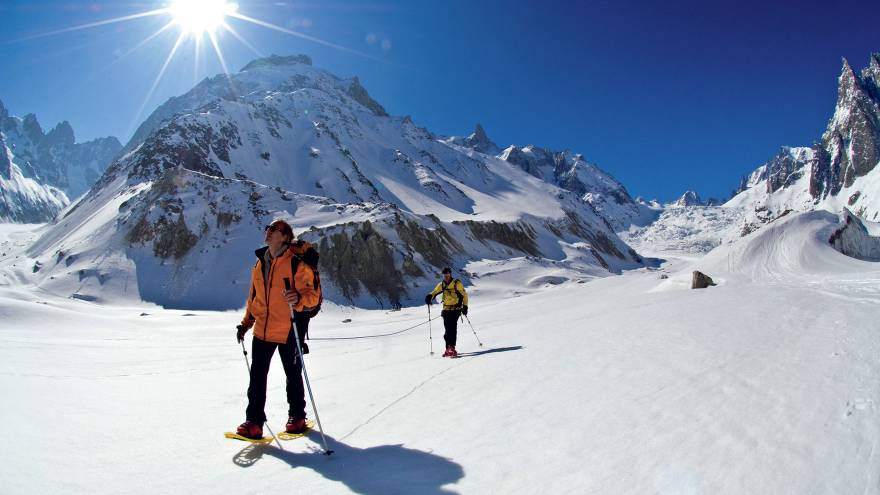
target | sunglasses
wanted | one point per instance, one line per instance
(271, 228)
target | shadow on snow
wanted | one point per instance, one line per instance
(372, 471)
(489, 351)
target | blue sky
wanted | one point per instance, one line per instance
(666, 96)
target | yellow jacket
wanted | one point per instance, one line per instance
(454, 295)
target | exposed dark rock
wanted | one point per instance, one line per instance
(519, 236)
(598, 239)
(434, 246)
(278, 60)
(173, 239)
(361, 258)
(701, 281)
(854, 240)
(852, 139)
(480, 141)
(360, 95)
(783, 170)
(5, 164)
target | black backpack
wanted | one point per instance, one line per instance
(309, 255)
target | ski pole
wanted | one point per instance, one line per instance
(243, 351)
(248, 364)
(306, 374)
(472, 330)
(430, 333)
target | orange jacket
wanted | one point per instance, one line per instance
(267, 309)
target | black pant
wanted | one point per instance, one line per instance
(261, 353)
(450, 324)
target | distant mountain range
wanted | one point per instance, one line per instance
(39, 171)
(388, 202)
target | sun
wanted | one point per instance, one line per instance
(198, 17)
(196, 20)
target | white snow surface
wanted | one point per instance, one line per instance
(766, 383)
(686, 231)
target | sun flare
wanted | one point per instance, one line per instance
(198, 17)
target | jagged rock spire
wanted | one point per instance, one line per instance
(480, 141)
(689, 198)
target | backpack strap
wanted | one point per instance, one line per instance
(294, 266)
(458, 294)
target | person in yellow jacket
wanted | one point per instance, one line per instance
(268, 312)
(455, 304)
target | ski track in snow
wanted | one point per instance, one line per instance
(395, 402)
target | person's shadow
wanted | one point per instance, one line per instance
(380, 470)
(489, 351)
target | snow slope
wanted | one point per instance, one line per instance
(766, 383)
(687, 231)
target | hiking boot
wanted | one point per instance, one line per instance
(452, 352)
(448, 351)
(295, 425)
(250, 429)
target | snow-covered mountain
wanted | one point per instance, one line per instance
(175, 219)
(692, 198)
(573, 173)
(838, 171)
(55, 158)
(22, 199)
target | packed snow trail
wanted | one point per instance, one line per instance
(628, 384)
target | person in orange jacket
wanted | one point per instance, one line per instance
(268, 312)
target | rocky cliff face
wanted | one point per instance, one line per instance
(852, 140)
(838, 171)
(387, 202)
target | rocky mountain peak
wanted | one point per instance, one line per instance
(4, 113)
(480, 141)
(278, 61)
(848, 84)
(849, 150)
(689, 198)
(62, 134)
(871, 76)
(32, 128)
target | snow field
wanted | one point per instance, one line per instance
(623, 384)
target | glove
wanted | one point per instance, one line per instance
(428, 299)
(464, 310)
(241, 330)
